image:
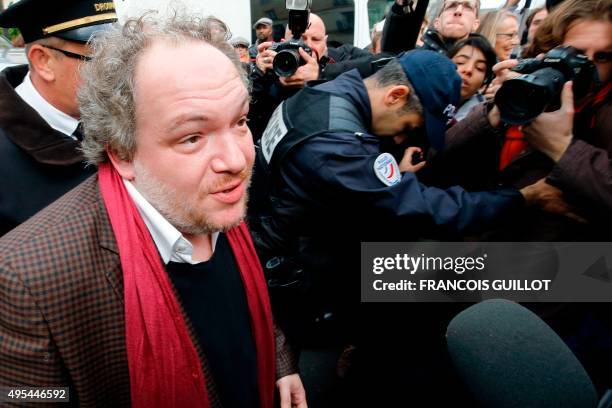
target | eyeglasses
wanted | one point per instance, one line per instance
(70, 54)
(453, 5)
(508, 36)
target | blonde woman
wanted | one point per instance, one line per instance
(501, 28)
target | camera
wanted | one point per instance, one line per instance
(288, 58)
(523, 98)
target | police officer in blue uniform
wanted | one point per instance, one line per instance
(329, 186)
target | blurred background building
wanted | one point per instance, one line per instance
(347, 21)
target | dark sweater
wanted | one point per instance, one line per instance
(213, 298)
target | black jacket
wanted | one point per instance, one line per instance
(37, 163)
(402, 27)
(267, 92)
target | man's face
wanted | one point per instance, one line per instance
(67, 78)
(458, 19)
(390, 118)
(593, 39)
(194, 151)
(314, 37)
(263, 32)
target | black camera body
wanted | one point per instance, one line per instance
(288, 58)
(522, 99)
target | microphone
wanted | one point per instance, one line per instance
(508, 357)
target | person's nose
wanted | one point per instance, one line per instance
(229, 155)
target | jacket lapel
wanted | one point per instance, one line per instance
(110, 252)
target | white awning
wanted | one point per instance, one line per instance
(362, 24)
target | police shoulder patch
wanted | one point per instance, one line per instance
(387, 169)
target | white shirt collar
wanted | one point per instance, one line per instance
(170, 243)
(57, 119)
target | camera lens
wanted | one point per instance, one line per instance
(286, 62)
(521, 99)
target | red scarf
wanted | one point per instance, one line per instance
(165, 370)
(514, 144)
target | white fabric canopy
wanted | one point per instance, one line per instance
(362, 24)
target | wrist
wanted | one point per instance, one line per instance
(494, 116)
(529, 194)
(559, 152)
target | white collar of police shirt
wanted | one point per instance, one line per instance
(57, 119)
(170, 243)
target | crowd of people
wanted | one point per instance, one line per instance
(132, 269)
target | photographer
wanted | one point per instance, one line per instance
(578, 137)
(571, 146)
(577, 141)
(572, 149)
(324, 64)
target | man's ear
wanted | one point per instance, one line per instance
(397, 94)
(124, 168)
(475, 25)
(42, 62)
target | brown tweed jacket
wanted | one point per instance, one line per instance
(61, 305)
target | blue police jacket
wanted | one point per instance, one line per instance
(326, 172)
(321, 186)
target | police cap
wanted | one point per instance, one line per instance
(438, 86)
(74, 20)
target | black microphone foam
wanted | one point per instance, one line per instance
(508, 357)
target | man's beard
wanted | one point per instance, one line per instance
(176, 206)
(262, 36)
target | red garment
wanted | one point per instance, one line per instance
(165, 369)
(514, 144)
(594, 102)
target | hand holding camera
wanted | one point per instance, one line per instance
(309, 71)
(538, 89)
(265, 56)
(503, 72)
(288, 56)
(293, 54)
(552, 132)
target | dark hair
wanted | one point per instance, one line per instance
(393, 74)
(481, 43)
(532, 16)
